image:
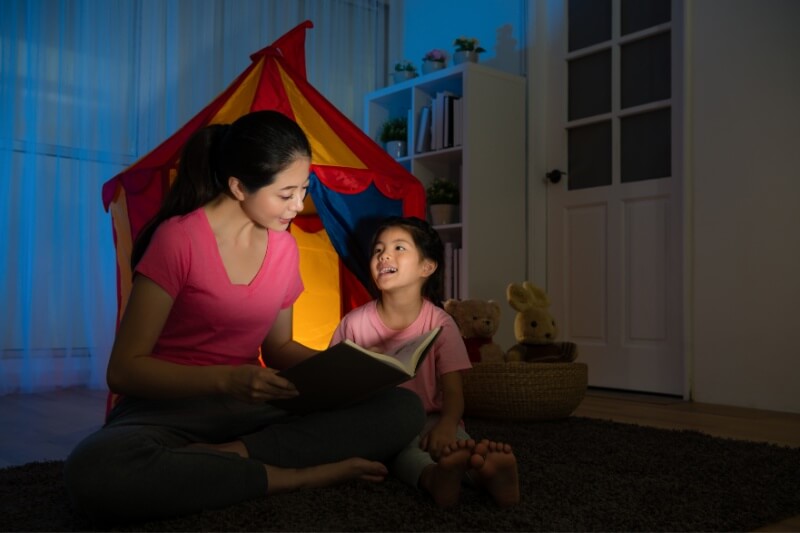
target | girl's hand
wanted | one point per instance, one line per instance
(255, 384)
(442, 434)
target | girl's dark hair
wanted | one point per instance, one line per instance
(430, 247)
(255, 148)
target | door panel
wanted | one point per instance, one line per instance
(585, 239)
(614, 221)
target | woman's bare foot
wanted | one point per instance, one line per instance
(498, 472)
(442, 480)
(288, 479)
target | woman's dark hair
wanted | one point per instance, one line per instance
(430, 247)
(255, 148)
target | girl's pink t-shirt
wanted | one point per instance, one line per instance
(212, 320)
(364, 326)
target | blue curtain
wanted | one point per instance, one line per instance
(87, 87)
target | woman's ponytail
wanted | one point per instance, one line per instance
(199, 181)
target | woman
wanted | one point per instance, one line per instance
(215, 276)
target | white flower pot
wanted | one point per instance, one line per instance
(463, 56)
(396, 149)
(442, 214)
(403, 75)
(432, 66)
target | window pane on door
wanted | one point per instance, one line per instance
(589, 23)
(645, 146)
(589, 149)
(589, 85)
(641, 14)
(645, 71)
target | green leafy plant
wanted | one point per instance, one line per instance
(394, 129)
(405, 66)
(442, 191)
(468, 44)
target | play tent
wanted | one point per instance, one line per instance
(353, 183)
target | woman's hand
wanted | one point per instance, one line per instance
(256, 384)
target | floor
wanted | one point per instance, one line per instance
(47, 426)
(674, 413)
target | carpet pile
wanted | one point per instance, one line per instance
(577, 474)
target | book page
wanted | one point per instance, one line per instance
(406, 357)
(377, 355)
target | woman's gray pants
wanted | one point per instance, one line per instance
(139, 465)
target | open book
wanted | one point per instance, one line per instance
(347, 373)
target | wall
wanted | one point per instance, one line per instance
(743, 190)
(499, 27)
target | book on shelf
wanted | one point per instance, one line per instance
(436, 121)
(424, 130)
(409, 130)
(448, 271)
(461, 287)
(440, 106)
(457, 273)
(448, 139)
(458, 119)
(347, 373)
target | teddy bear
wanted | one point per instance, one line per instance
(477, 321)
(534, 327)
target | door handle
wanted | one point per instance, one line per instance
(554, 176)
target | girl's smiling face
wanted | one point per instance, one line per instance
(396, 261)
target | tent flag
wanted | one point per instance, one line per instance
(354, 181)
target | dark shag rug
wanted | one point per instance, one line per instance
(577, 474)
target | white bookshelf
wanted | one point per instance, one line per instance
(489, 167)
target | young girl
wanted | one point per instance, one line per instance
(216, 274)
(406, 256)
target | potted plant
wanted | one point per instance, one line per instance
(467, 49)
(434, 60)
(404, 70)
(394, 135)
(443, 197)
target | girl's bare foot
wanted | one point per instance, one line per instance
(287, 479)
(442, 480)
(498, 472)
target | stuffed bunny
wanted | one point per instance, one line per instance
(534, 327)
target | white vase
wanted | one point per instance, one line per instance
(463, 56)
(442, 214)
(432, 66)
(396, 149)
(402, 75)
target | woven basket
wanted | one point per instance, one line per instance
(524, 391)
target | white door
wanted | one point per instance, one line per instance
(614, 249)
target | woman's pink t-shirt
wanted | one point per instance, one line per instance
(364, 326)
(212, 320)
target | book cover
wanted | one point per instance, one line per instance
(347, 373)
(438, 106)
(424, 133)
(448, 271)
(409, 131)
